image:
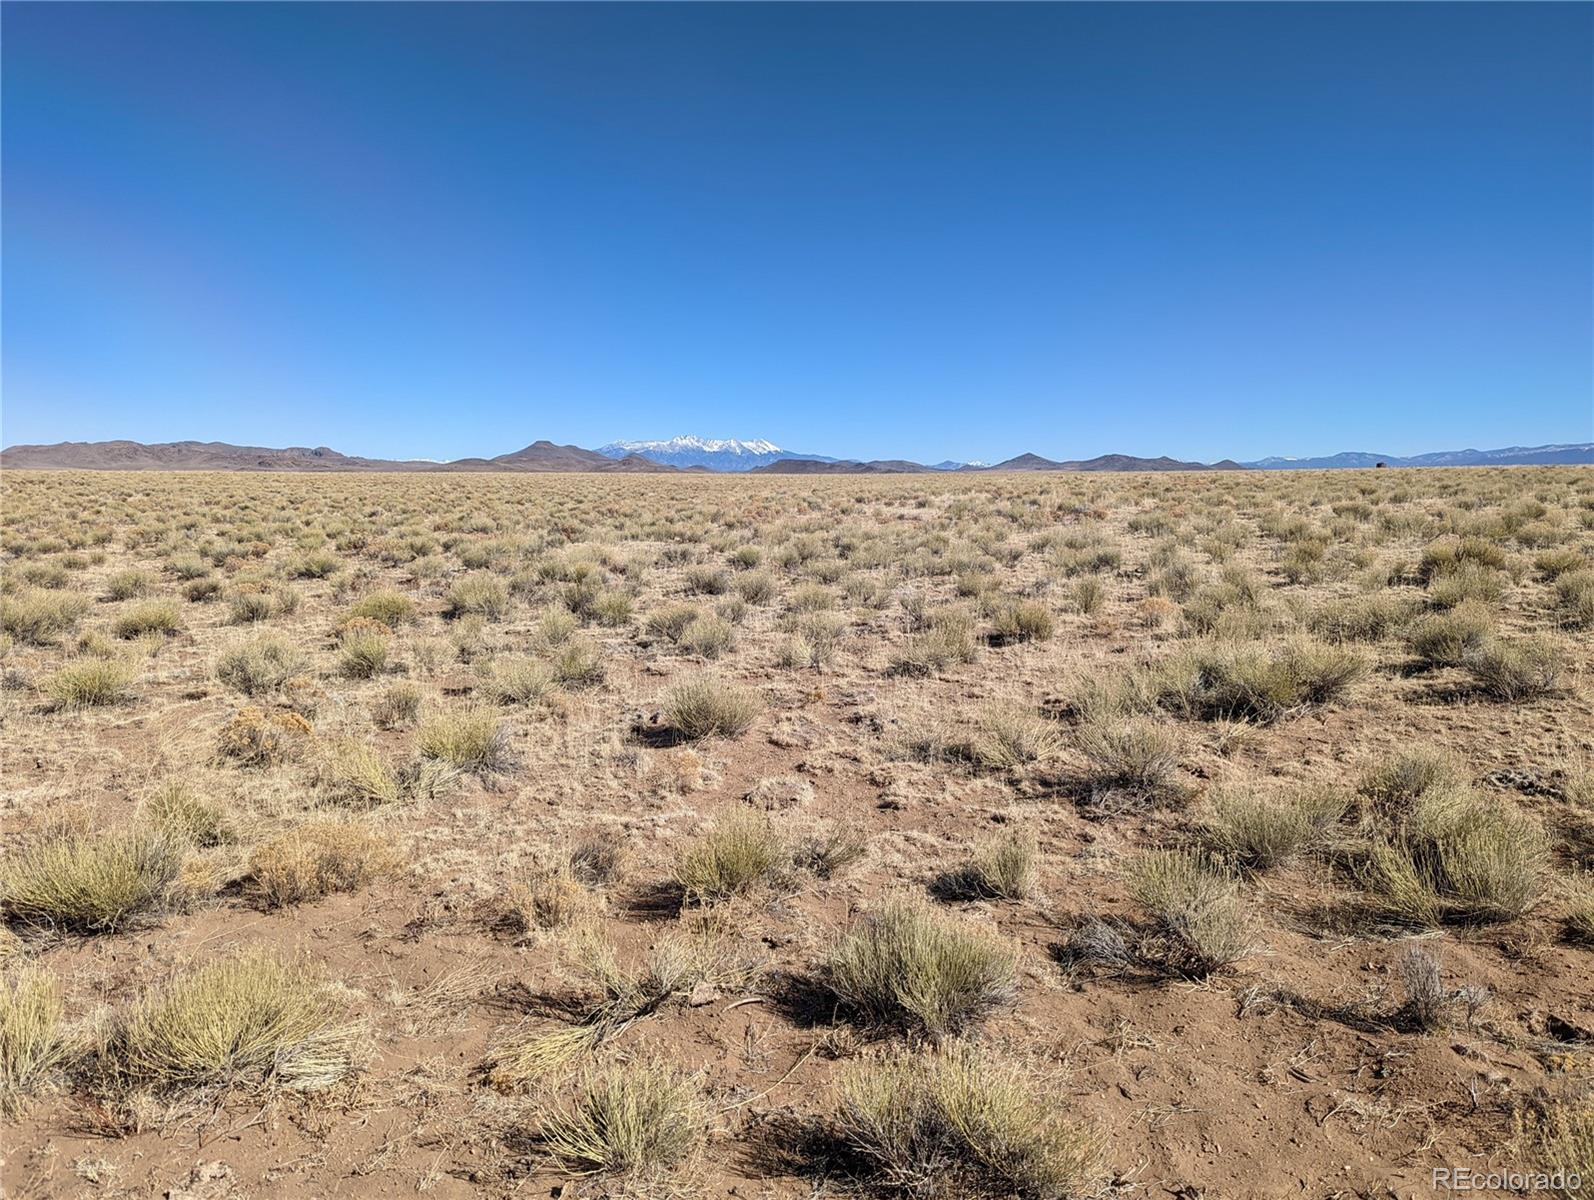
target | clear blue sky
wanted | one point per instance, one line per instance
(926, 231)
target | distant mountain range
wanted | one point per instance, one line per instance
(697, 454)
(717, 454)
(223, 456)
(1510, 456)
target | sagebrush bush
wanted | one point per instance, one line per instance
(40, 618)
(708, 707)
(158, 616)
(635, 1119)
(32, 1037)
(1457, 856)
(1261, 829)
(959, 1122)
(90, 883)
(90, 683)
(905, 966)
(1136, 758)
(1520, 669)
(739, 852)
(245, 1021)
(260, 665)
(468, 739)
(1194, 904)
(1446, 639)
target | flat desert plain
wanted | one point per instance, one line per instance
(964, 835)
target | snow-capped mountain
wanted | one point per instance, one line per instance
(718, 454)
(1575, 452)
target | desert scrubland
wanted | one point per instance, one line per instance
(972, 835)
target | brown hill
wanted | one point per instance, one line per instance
(222, 456)
(1111, 462)
(813, 466)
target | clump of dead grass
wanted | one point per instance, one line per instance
(246, 1021)
(86, 883)
(316, 859)
(904, 966)
(962, 1122)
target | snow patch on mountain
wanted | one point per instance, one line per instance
(719, 454)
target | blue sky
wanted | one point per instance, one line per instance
(948, 231)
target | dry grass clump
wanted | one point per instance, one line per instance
(90, 882)
(707, 635)
(1451, 554)
(1261, 829)
(397, 707)
(1524, 669)
(357, 775)
(1003, 867)
(625, 995)
(467, 739)
(40, 618)
(1368, 618)
(176, 809)
(740, 852)
(1195, 906)
(1396, 784)
(1010, 736)
(90, 683)
(388, 608)
(577, 663)
(1023, 621)
(1458, 856)
(129, 584)
(708, 707)
(1565, 1149)
(318, 859)
(1579, 924)
(1132, 760)
(1236, 682)
(1447, 639)
(1574, 599)
(261, 665)
(1467, 584)
(907, 967)
(519, 680)
(32, 1040)
(158, 616)
(478, 594)
(257, 738)
(547, 898)
(959, 1122)
(363, 649)
(245, 1021)
(948, 639)
(636, 1120)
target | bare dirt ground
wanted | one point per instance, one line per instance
(934, 660)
